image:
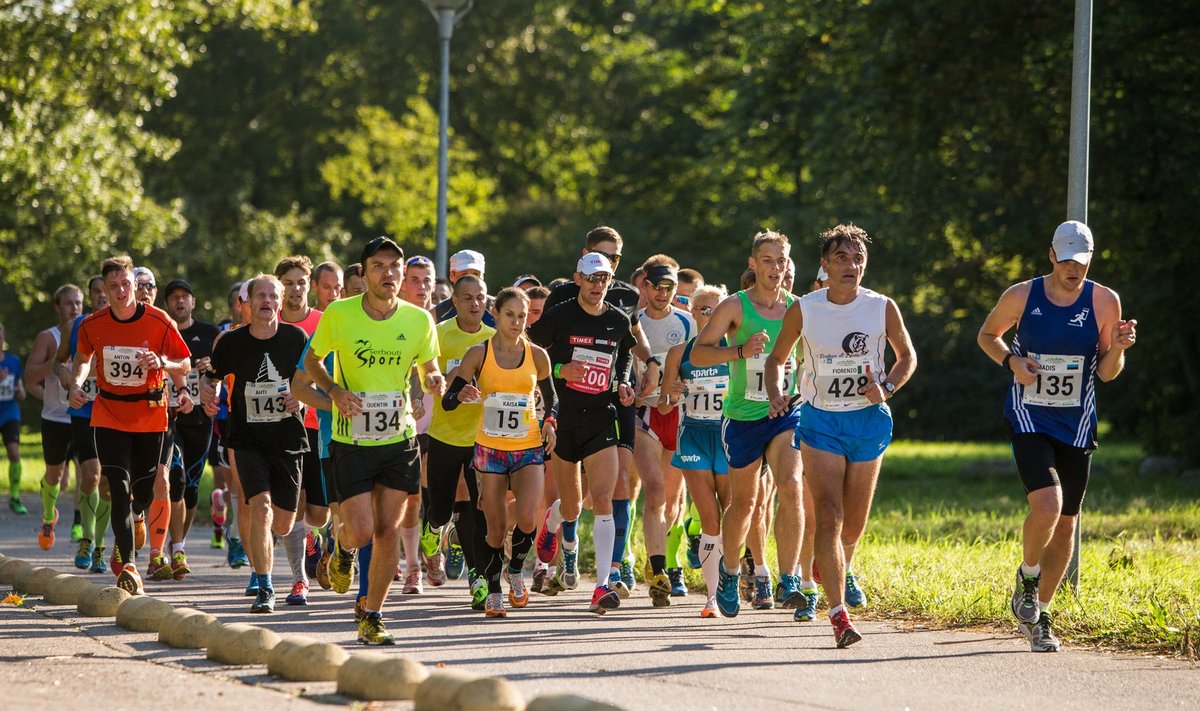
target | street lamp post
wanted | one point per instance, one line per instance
(447, 13)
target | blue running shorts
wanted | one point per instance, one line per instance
(858, 435)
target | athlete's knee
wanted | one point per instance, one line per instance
(1065, 526)
(316, 516)
(1046, 503)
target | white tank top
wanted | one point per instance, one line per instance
(54, 402)
(843, 348)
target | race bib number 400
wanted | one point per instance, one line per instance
(507, 415)
(839, 380)
(705, 398)
(266, 402)
(756, 382)
(1059, 381)
(384, 416)
(597, 367)
(121, 366)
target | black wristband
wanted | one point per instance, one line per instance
(1004, 363)
(740, 352)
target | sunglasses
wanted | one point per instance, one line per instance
(598, 278)
(663, 286)
(146, 286)
(612, 258)
(705, 310)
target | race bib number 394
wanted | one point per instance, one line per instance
(121, 366)
(1059, 381)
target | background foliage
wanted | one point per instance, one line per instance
(210, 137)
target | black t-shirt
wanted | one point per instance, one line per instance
(568, 333)
(199, 338)
(259, 421)
(620, 294)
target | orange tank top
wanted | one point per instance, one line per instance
(509, 421)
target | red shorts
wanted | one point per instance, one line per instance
(665, 428)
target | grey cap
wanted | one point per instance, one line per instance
(1073, 241)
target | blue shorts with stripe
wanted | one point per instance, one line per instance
(858, 435)
(746, 442)
(699, 447)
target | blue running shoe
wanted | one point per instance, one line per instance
(678, 587)
(627, 575)
(456, 562)
(788, 593)
(83, 556)
(855, 597)
(236, 555)
(252, 588)
(98, 561)
(806, 612)
(764, 598)
(569, 576)
(727, 591)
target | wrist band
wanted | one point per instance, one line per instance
(740, 352)
(558, 371)
(1004, 363)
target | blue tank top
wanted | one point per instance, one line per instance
(1065, 340)
(73, 348)
(705, 398)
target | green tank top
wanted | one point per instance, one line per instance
(747, 397)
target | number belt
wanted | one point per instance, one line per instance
(149, 395)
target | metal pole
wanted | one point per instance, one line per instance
(445, 20)
(1077, 173)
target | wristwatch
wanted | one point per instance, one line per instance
(891, 388)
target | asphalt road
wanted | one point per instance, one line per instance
(637, 657)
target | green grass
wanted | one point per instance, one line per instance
(944, 539)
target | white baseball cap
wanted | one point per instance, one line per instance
(466, 259)
(594, 263)
(1073, 241)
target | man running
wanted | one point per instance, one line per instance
(135, 346)
(12, 394)
(1069, 331)
(376, 339)
(327, 283)
(266, 427)
(467, 262)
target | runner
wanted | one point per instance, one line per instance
(589, 342)
(701, 394)
(537, 303)
(376, 339)
(419, 281)
(134, 345)
(467, 262)
(266, 427)
(1069, 331)
(509, 451)
(327, 283)
(56, 423)
(845, 423)
(750, 319)
(689, 281)
(12, 394)
(354, 282)
(452, 446)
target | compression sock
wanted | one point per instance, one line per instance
(158, 522)
(604, 534)
(522, 541)
(674, 537)
(103, 519)
(364, 568)
(14, 478)
(49, 500)
(88, 505)
(293, 545)
(710, 558)
(622, 509)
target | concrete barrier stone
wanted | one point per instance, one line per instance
(101, 602)
(65, 589)
(241, 644)
(568, 702)
(302, 659)
(10, 568)
(439, 691)
(34, 580)
(142, 613)
(186, 628)
(489, 694)
(371, 676)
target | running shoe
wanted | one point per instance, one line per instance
(604, 599)
(216, 508)
(236, 555)
(98, 564)
(479, 591)
(371, 631)
(678, 586)
(435, 569)
(76, 532)
(322, 573)
(807, 612)
(1041, 637)
(728, 600)
(46, 534)
(130, 581)
(787, 593)
(710, 611)
(617, 585)
(693, 551)
(264, 601)
(553, 584)
(569, 577)
(139, 532)
(843, 630)
(360, 613)
(299, 594)
(627, 575)
(399, 574)
(341, 570)
(179, 566)
(456, 562)
(17, 507)
(431, 542)
(854, 597)
(659, 586)
(83, 555)
(252, 588)
(547, 541)
(159, 568)
(518, 594)
(493, 605)
(115, 563)
(312, 553)
(1024, 603)
(218, 538)
(746, 584)
(539, 579)
(412, 581)
(764, 599)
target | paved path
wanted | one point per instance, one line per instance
(637, 657)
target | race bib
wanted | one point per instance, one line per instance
(8, 388)
(191, 384)
(90, 388)
(121, 366)
(597, 370)
(451, 364)
(383, 416)
(265, 402)
(705, 398)
(756, 381)
(1059, 381)
(507, 415)
(839, 379)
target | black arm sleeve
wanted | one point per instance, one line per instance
(549, 397)
(450, 399)
(624, 362)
